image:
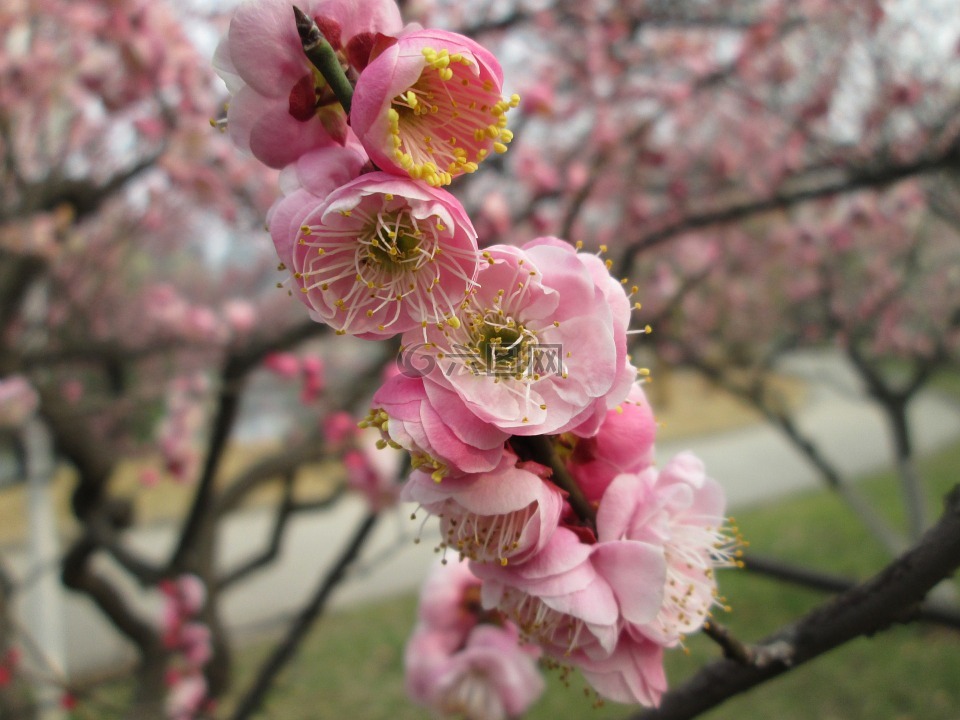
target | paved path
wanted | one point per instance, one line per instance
(754, 464)
(758, 463)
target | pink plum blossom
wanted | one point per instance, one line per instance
(186, 696)
(191, 593)
(450, 599)
(680, 509)
(283, 364)
(374, 470)
(183, 598)
(632, 674)
(189, 642)
(384, 254)
(177, 434)
(240, 316)
(505, 515)
(409, 419)
(195, 644)
(314, 379)
(540, 347)
(281, 107)
(492, 677)
(623, 444)
(339, 428)
(18, 401)
(307, 182)
(430, 106)
(572, 598)
(463, 661)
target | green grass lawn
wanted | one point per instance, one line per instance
(351, 665)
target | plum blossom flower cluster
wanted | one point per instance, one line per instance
(188, 642)
(177, 435)
(309, 370)
(463, 660)
(526, 426)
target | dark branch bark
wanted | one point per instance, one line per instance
(540, 448)
(17, 275)
(755, 655)
(890, 597)
(78, 575)
(85, 197)
(92, 506)
(281, 464)
(286, 509)
(894, 405)
(235, 370)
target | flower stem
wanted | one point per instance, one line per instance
(540, 448)
(323, 57)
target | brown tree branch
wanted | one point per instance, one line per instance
(826, 582)
(286, 509)
(254, 697)
(235, 369)
(540, 448)
(78, 575)
(892, 596)
(855, 180)
(756, 655)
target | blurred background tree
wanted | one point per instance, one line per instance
(773, 175)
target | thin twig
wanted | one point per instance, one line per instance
(253, 699)
(928, 612)
(755, 655)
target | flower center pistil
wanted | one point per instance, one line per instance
(379, 255)
(502, 347)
